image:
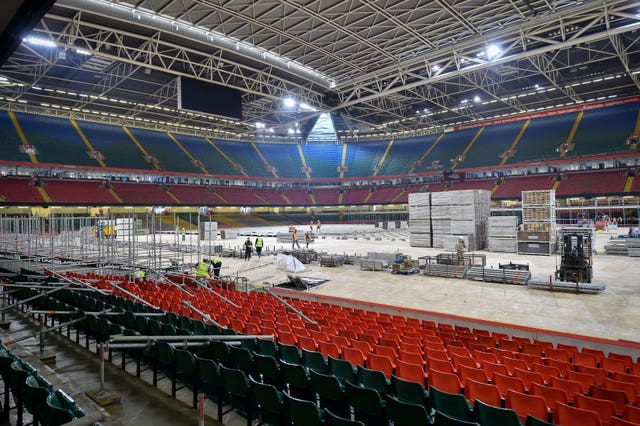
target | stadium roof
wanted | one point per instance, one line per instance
(393, 67)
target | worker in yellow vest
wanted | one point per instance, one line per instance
(259, 244)
(202, 271)
(217, 264)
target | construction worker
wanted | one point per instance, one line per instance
(295, 239)
(202, 271)
(138, 276)
(217, 264)
(307, 238)
(460, 249)
(318, 226)
(259, 244)
(248, 248)
(184, 233)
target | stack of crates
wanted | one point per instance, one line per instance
(538, 234)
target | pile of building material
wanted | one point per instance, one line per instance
(623, 246)
(504, 276)
(538, 234)
(448, 271)
(438, 219)
(567, 286)
(502, 234)
(633, 247)
(420, 220)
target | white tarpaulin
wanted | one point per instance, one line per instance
(291, 263)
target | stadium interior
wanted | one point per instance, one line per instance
(140, 139)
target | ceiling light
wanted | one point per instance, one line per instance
(289, 102)
(476, 99)
(291, 131)
(38, 41)
(492, 51)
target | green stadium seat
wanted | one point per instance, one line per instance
(330, 392)
(302, 413)
(406, 414)
(368, 406)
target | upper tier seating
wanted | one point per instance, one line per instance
(9, 140)
(284, 157)
(601, 130)
(165, 150)
(55, 139)
(245, 158)
(401, 156)
(323, 159)
(493, 141)
(362, 157)
(450, 147)
(202, 150)
(116, 146)
(542, 137)
(605, 130)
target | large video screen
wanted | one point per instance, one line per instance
(201, 96)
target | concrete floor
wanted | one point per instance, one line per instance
(613, 314)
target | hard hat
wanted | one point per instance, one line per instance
(461, 239)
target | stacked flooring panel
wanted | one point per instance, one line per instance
(420, 219)
(502, 234)
(438, 219)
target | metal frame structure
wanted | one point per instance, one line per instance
(401, 68)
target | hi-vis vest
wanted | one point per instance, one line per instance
(259, 242)
(202, 270)
(215, 260)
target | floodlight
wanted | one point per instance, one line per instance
(289, 102)
(492, 51)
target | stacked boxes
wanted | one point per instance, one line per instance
(502, 234)
(439, 218)
(538, 234)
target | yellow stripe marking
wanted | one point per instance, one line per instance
(397, 196)
(21, 135)
(384, 156)
(287, 200)
(313, 199)
(628, 184)
(264, 160)
(344, 159)
(556, 184)
(191, 157)
(421, 159)
(572, 133)
(366, 199)
(516, 141)
(115, 195)
(170, 194)
(466, 150)
(84, 138)
(139, 145)
(43, 194)
(304, 162)
(226, 157)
